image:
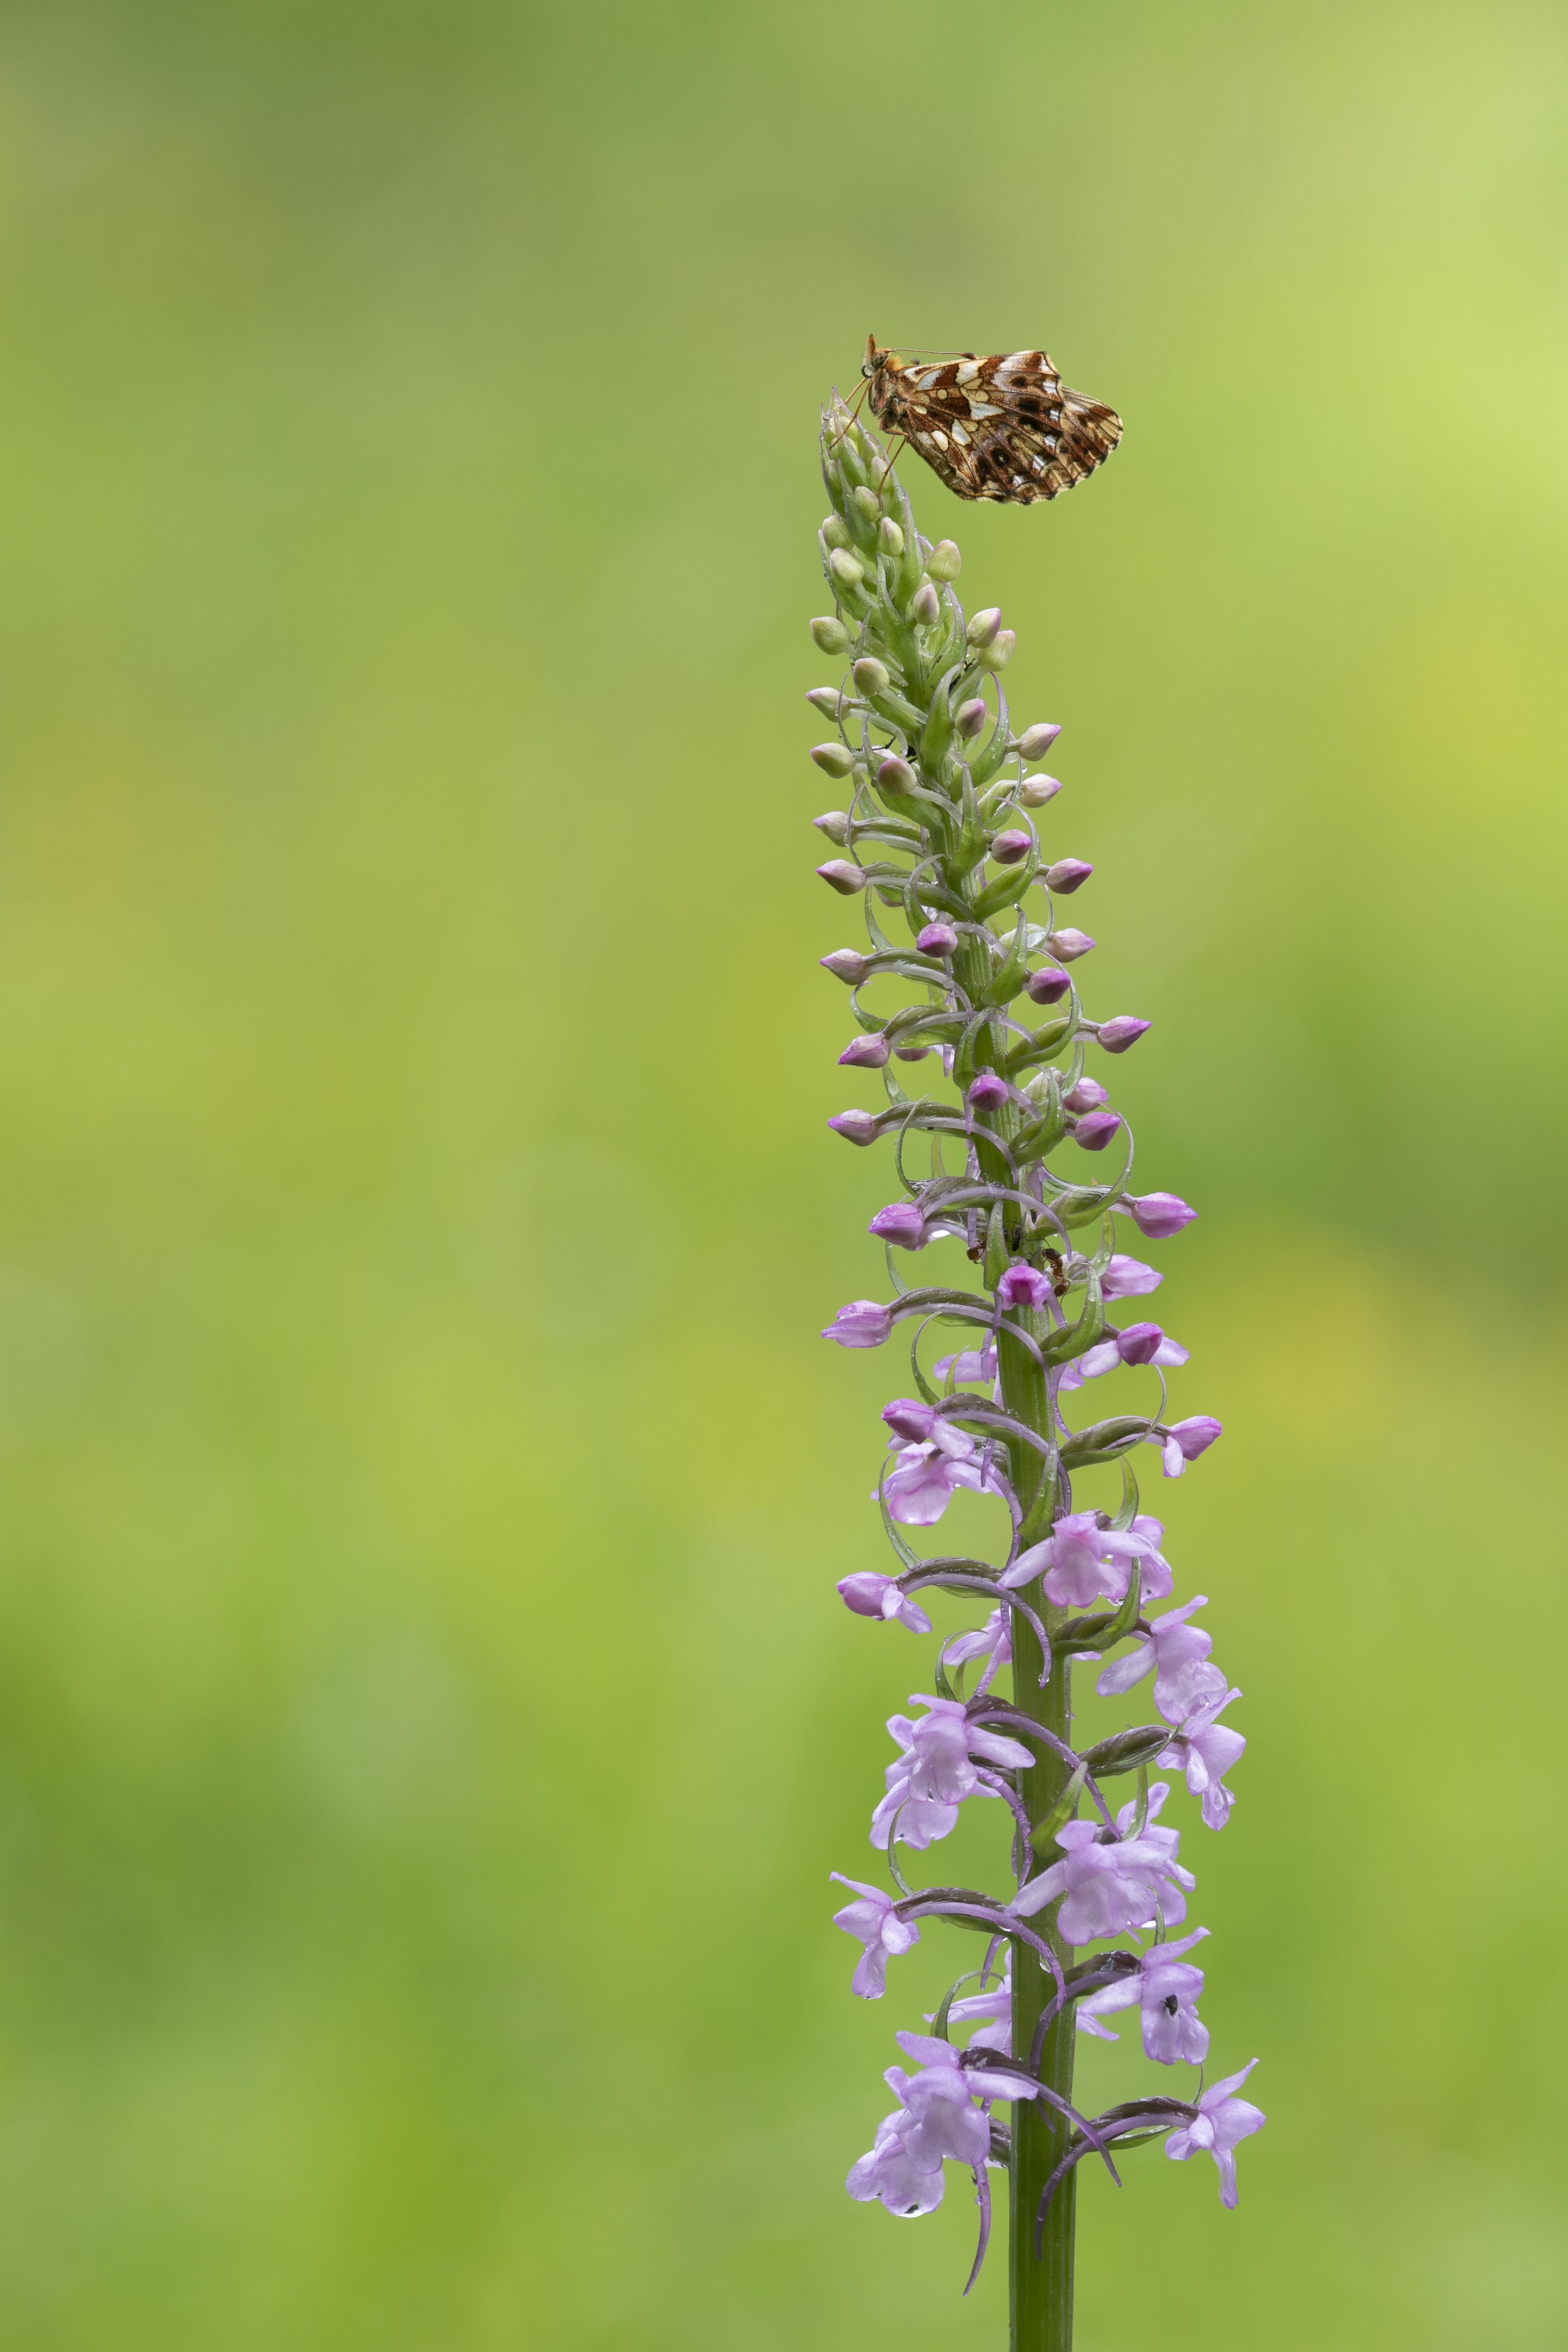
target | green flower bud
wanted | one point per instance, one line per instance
(896, 775)
(1036, 791)
(833, 759)
(829, 635)
(844, 568)
(891, 536)
(828, 700)
(835, 824)
(970, 718)
(999, 652)
(869, 504)
(927, 607)
(834, 532)
(982, 627)
(944, 561)
(870, 675)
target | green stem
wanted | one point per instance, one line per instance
(1042, 2284)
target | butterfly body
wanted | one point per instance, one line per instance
(1002, 427)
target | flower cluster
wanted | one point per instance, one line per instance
(969, 970)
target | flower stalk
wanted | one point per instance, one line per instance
(967, 1009)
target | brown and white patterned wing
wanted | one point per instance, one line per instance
(1003, 427)
(1034, 436)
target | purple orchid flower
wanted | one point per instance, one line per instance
(1133, 1346)
(1223, 2120)
(1185, 1439)
(864, 1323)
(936, 1770)
(1112, 1886)
(875, 1921)
(991, 2013)
(901, 1223)
(1204, 1749)
(941, 2099)
(1157, 1215)
(1129, 1278)
(970, 1367)
(993, 1642)
(1165, 1991)
(870, 1594)
(1083, 1562)
(1178, 1651)
(933, 1465)
(905, 2186)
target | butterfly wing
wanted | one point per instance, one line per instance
(1005, 428)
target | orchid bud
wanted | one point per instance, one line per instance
(944, 561)
(834, 760)
(862, 1323)
(863, 1592)
(1094, 1131)
(865, 1052)
(1047, 986)
(1069, 944)
(900, 1223)
(828, 700)
(869, 1595)
(1139, 1343)
(834, 532)
(911, 1053)
(1123, 1031)
(1158, 1214)
(835, 824)
(855, 1126)
(1011, 847)
(1068, 874)
(969, 718)
(1037, 740)
(841, 876)
(1087, 1094)
(1129, 1278)
(982, 627)
(890, 537)
(844, 568)
(1036, 791)
(926, 605)
(847, 964)
(1022, 1285)
(869, 504)
(916, 1423)
(896, 775)
(829, 635)
(1195, 1435)
(1000, 651)
(870, 675)
(988, 1091)
(937, 939)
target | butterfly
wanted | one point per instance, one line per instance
(1003, 427)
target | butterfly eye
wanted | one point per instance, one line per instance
(867, 369)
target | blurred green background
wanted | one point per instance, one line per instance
(426, 1721)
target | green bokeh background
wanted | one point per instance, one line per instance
(425, 1722)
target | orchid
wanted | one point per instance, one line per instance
(1109, 1884)
(875, 1920)
(1083, 1562)
(1003, 1251)
(1164, 1989)
(1221, 2122)
(937, 1770)
(1204, 1749)
(1178, 1651)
